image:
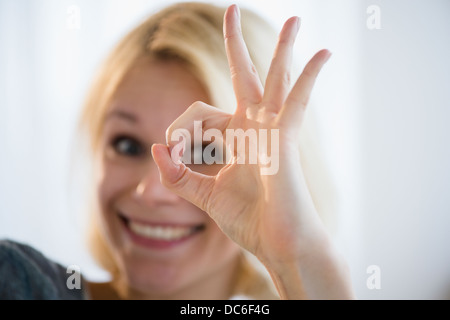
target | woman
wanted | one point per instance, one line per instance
(170, 230)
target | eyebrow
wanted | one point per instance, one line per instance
(122, 115)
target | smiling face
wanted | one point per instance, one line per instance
(163, 245)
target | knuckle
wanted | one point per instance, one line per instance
(285, 78)
(193, 107)
(280, 73)
(197, 104)
(233, 71)
(268, 108)
(179, 181)
(286, 41)
(253, 70)
(198, 107)
(304, 102)
(307, 73)
(232, 35)
(301, 102)
(310, 71)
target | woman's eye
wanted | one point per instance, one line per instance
(128, 146)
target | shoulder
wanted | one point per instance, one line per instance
(25, 273)
(18, 252)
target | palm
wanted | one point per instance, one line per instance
(265, 214)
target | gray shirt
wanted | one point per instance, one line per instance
(27, 274)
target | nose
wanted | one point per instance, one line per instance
(150, 192)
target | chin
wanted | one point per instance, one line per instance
(154, 279)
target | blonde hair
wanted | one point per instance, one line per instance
(191, 33)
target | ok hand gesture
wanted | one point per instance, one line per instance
(270, 215)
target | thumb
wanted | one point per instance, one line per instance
(174, 175)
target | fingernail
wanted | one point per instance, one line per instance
(298, 23)
(237, 11)
(177, 152)
(328, 55)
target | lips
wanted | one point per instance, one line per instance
(159, 235)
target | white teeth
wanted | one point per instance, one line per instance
(160, 233)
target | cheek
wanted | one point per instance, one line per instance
(114, 181)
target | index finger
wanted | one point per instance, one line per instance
(246, 83)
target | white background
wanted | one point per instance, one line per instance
(383, 101)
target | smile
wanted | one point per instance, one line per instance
(160, 232)
(159, 235)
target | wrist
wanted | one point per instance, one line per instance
(312, 243)
(317, 274)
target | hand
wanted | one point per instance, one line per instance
(272, 216)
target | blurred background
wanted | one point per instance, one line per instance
(382, 101)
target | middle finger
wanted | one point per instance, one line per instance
(246, 83)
